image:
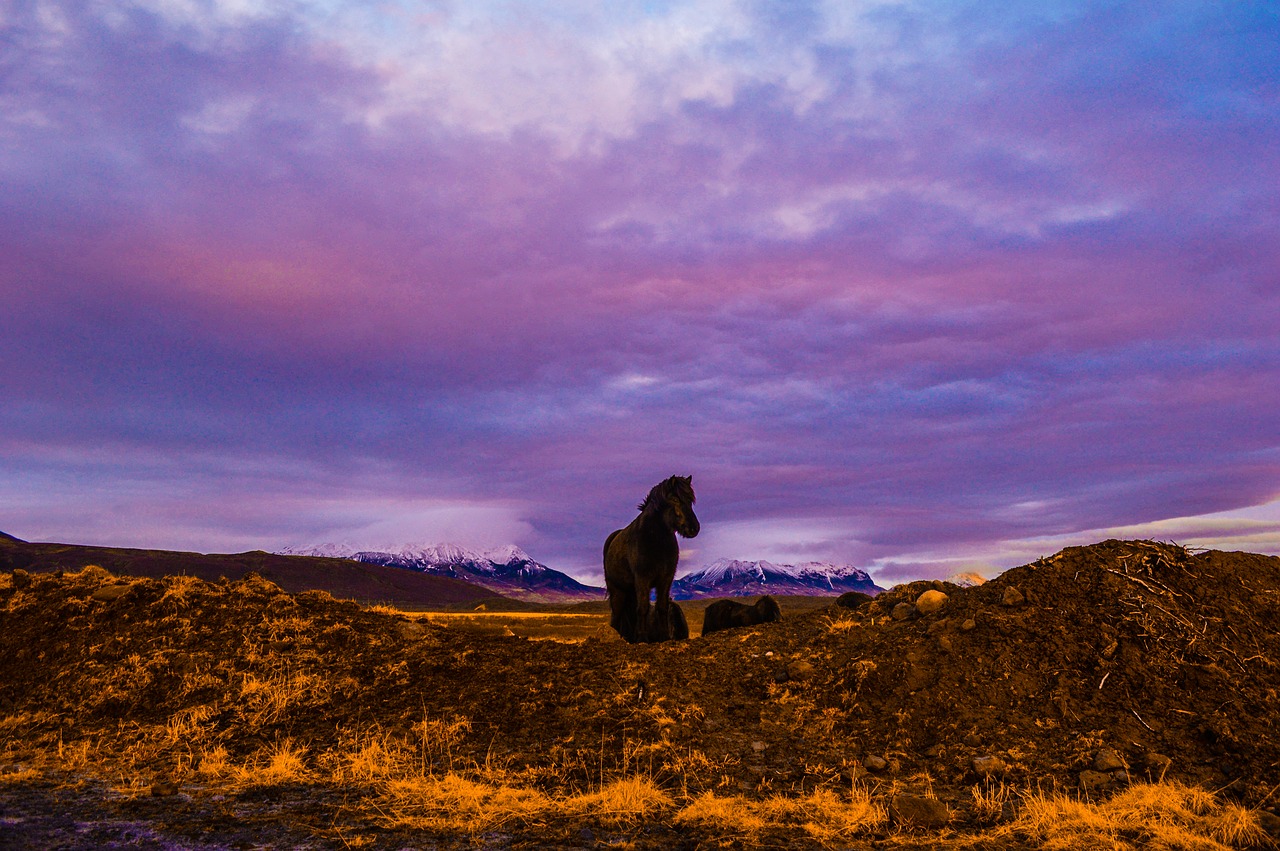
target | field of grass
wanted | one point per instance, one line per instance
(538, 626)
(571, 622)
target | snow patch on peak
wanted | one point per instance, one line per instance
(506, 554)
(434, 553)
(728, 576)
(328, 550)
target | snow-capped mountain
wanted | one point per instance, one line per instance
(734, 578)
(506, 570)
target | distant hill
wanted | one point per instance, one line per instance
(340, 577)
(508, 571)
(734, 578)
(5, 537)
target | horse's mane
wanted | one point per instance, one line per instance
(673, 488)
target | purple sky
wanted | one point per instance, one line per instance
(916, 286)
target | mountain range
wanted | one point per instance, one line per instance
(508, 571)
(734, 578)
(438, 575)
(511, 572)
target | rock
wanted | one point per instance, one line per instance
(875, 763)
(973, 740)
(930, 602)
(854, 774)
(944, 642)
(1269, 822)
(1109, 760)
(969, 623)
(1094, 781)
(110, 592)
(902, 611)
(989, 766)
(410, 630)
(916, 811)
(801, 669)
(1157, 765)
(758, 746)
(163, 788)
(918, 676)
(21, 579)
(1012, 597)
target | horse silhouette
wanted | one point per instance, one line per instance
(728, 614)
(641, 558)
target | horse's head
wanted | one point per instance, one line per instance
(674, 498)
(769, 609)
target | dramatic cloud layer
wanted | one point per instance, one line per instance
(919, 286)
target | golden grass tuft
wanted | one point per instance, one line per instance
(823, 814)
(625, 801)
(1164, 815)
(283, 762)
(840, 624)
(989, 800)
(177, 589)
(267, 700)
(214, 763)
(454, 802)
(375, 757)
(731, 814)
(93, 573)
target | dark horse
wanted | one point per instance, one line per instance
(727, 614)
(642, 557)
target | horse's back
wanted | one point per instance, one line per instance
(607, 542)
(719, 615)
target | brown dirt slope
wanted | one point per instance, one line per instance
(341, 577)
(1085, 670)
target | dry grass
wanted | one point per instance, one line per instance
(456, 803)
(840, 624)
(414, 781)
(647, 761)
(989, 800)
(265, 700)
(823, 814)
(565, 627)
(283, 762)
(621, 802)
(179, 589)
(1145, 816)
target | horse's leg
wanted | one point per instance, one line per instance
(642, 610)
(663, 604)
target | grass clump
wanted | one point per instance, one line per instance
(823, 814)
(457, 803)
(1164, 815)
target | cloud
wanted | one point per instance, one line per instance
(895, 283)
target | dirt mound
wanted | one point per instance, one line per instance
(1086, 670)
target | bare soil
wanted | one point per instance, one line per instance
(116, 695)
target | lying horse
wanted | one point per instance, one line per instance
(641, 558)
(727, 614)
